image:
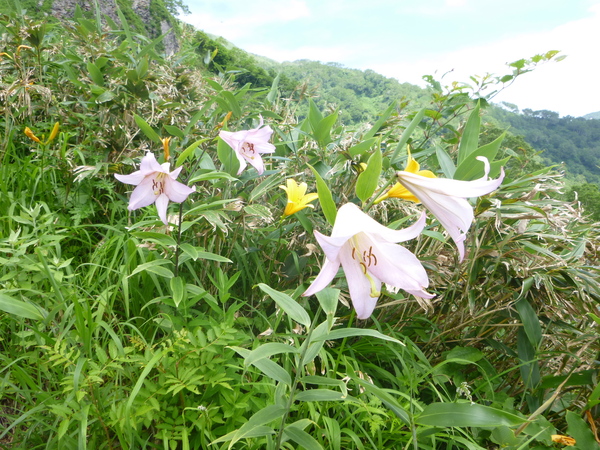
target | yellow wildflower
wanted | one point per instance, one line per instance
(54, 132)
(298, 199)
(399, 191)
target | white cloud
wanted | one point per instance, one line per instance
(241, 18)
(568, 87)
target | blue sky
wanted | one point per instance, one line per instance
(407, 39)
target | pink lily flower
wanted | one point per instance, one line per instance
(249, 145)
(155, 184)
(369, 255)
(447, 198)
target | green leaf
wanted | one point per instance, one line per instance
(530, 370)
(369, 178)
(471, 168)
(268, 367)
(579, 430)
(267, 350)
(386, 398)
(301, 438)
(314, 115)
(174, 131)
(154, 267)
(255, 425)
(361, 147)
(342, 333)
(531, 323)
(234, 105)
(445, 162)
(95, 74)
(465, 353)
(322, 133)
(382, 119)
(273, 93)
(188, 152)
(106, 96)
(20, 308)
(287, 304)
(406, 136)
(325, 197)
(328, 299)
(470, 135)
(139, 383)
(319, 395)
(177, 289)
(594, 398)
(147, 129)
(212, 257)
(466, 415)
(158, 238)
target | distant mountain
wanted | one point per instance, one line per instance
(594, 115)
(572, 140)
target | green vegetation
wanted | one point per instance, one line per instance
(117, 331)
(572, 140)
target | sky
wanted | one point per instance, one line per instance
(406, 39)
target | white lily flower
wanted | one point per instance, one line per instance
(249, 145)
(155, 183)
(445, 198)
(369, 255)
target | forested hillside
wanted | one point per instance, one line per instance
(572, 140)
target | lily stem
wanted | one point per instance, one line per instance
(381, 191)
(299, 372)
(178, 248)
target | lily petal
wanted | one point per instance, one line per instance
(162, 201)
(325, 276)
(364, 288)
(177, 192)
(143, 195)
(351, 220)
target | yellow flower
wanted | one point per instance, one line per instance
(165, 143)
(399, 191)
(30, 135)
(298, 199)
(563, 440)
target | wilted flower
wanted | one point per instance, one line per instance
(367, 252)
(155, 184)
(298, 199)
(564, 440)
(165, 142)
(445, 198)
(249, 144)
(31, 136)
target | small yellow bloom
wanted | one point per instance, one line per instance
(399, 191)
(165, 143)
(54, 132)
(298, 199)
(30, 135)
(563, 440)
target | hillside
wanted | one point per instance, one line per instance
(572, 140)
(359, 96)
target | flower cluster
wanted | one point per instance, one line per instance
(156, 183)
(368, 251)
